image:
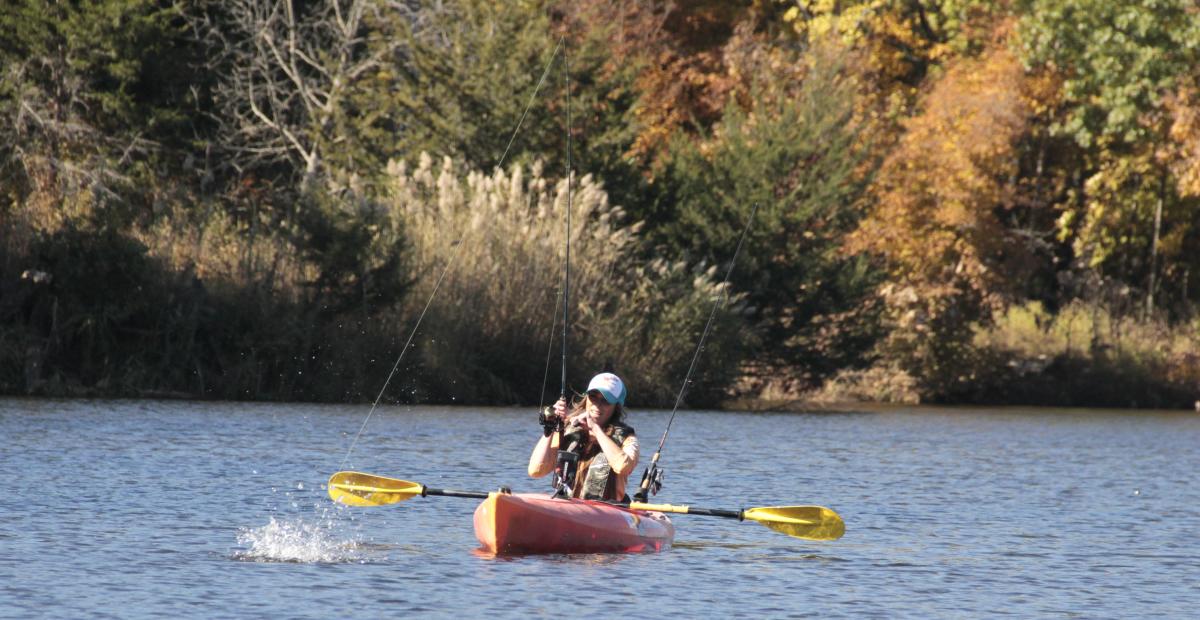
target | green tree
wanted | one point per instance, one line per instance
(1118, 62)
(467, 72)
(797, 154)
(92, 102)
(462, 79)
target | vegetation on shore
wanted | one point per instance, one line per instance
(962, 201)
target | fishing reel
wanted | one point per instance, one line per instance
(564, 473)
(550, 422)
(652, 482)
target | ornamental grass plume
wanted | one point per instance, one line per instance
(489, 329)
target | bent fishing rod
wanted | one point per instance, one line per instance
(652, 476)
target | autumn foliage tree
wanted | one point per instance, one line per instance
(919, 164)
(676, 54)
(1120, 62)
(935, 218)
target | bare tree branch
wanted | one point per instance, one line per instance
(289, 72)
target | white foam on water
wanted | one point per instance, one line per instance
(297, 540)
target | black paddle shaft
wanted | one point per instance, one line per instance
(712, 512)
(451, 493)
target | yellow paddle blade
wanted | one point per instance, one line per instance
(808, 522)
(353, 488)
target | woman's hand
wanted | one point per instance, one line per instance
(560, 408)
(588, 421)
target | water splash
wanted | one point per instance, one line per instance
(297, 540)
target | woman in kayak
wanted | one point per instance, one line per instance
(595, 429)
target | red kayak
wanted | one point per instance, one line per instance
(530, 523)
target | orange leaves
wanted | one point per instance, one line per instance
(676, 54)
(937, 193)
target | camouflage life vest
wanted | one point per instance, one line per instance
(595, 478)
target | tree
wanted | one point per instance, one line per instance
(797, 153)
(288, 72)
(90, 96)
(484, 83)
(468, 70)
(901, 40)
(1185, 140)
(1118, 61)
(935, 216)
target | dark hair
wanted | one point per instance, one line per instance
(618, 414)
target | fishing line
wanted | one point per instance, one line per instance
(652, 470)
(529, 105)
(458, 247)
(549, 352)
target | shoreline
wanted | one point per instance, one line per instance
(743, 404)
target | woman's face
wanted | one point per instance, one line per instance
(600, 410)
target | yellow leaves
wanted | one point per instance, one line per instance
(937, 193)
(1042, 93)
(1065, 223)
(847, 21)
(1184, 143)
(1124, 197)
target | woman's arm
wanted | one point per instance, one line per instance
(545, 452)
(623, 458)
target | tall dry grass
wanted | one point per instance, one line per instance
(490, 326)
(1086, 354)
(221, 300)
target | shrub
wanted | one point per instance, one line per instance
(1085, 355)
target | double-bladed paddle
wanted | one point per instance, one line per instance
(807, 522)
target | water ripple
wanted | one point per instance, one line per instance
(153, 509)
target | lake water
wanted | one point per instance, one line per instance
(144, 509)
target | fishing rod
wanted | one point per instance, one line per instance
(568, 459)
(551, 423)
(567, 262)
(653, 475)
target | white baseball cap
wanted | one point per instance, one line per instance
(610, 386)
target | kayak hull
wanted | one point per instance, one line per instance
(529, 523)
